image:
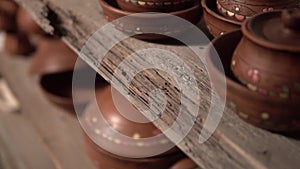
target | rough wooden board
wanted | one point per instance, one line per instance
(234, 145)
(58, 130)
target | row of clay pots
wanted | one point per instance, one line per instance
(261, 65)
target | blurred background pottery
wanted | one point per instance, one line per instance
(271, 113)
(54, 63)
(268, 57)
(15, 44)
(26, 24)
(216, 23)
(115, 152)
(149, 22)
(242, 9)
(155, 5)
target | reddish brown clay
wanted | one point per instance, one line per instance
(16, 44)
(155, 5)
(8, 7)
(268, 57)
(216, 23)
(270, 113)
(26, 24)
(242, 9)
(173, 159)
(54, 63)
(149, 22)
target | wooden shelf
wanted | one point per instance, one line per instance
(235, 144)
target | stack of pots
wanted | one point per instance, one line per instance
(142, 24)
(115, 140)
(223, 16)
(262, 69)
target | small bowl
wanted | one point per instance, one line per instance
(143, 21)
(216, 23)
(96, 130)
(265, 112)
(155, 5)
(54, 62)
(240, 10)
(268, 57)
(15, 44)
(26, 24)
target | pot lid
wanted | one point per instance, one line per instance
(52, 56)
(278, 30)
(108, 122)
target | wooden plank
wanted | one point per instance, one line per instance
(57, 129)
(234, 144)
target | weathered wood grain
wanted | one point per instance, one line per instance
(234, 145)
(40, 135)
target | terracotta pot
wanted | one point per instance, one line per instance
(269, 113)
(155, 5)
(15, 44)
(242, 9)
(150, 22)
(103, 156)
(26, 24)
(216, 23)
(268, 57)
(54, 62)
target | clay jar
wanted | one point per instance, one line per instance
(108, 149)
(26, 24)
(54, 62)
(217, 24)
(242, 9)
(8, 10)
(268, 57)
(155, 5)
(142, 23)
(271, 113)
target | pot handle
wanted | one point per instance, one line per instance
(185, 163)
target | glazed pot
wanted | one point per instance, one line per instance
(108, 150)
(242, 9)
(268, 57)
(216, 23)
(155, 5)
(271, 113)
(26, 24)
(54, 63)
(150, 22)
(15, 44)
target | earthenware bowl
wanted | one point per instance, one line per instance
(269, 113)
(268, 57)
(54, 63)
(104, 155)
(155, 5)
(149, 22)
(216, 23)
(242, 9)
(15, 44)
(26, 24)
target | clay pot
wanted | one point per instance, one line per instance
(155, 5)
(15, 44)
(268, 57)
(103, 156)
(242, 9)
(150, 22)
(26, 24)
(216, 23)
(54, 62)
(271, 113)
